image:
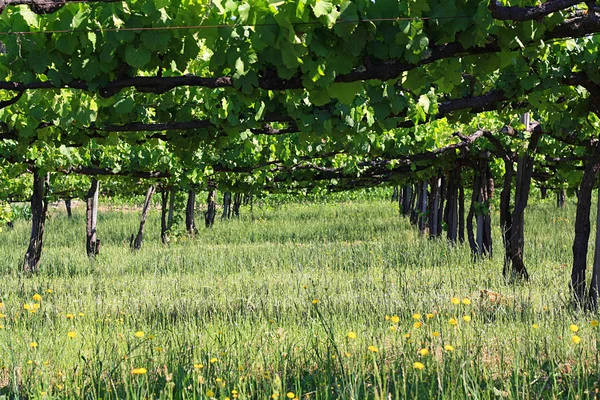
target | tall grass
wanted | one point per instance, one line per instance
(294, 300)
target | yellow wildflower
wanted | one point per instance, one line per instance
(373, 349)
(455, 300)
(453, 321)
(71, 334)
(140, 334)
(467, 318)
(594, 323)
(573, 328)
(576, 339)
(395, 319)
(139, 371)
(423, 352)
(417, 324)
(466, 301)
(417, 316)
(37, 297)
(448, 347)
(418, 365)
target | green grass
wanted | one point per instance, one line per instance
(230, 313)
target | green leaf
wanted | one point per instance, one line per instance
(125, 105)
(67, 43)
(345, 92)
(424, 103)
(137, 57)
(322, 7)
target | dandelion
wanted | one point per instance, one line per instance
(33, 344)
(594, 323)
(213, 360)
(140, 334)
(449, 348)
(423, 352)
(290, 395)
(1, 315)
(373, 349)
(210, 393)
(81, 314)
(467, 318)
(387, 317)
(535, 326)
(393, 328)
(430, 315)
(26, 306)
(453, 321)
(37, 297)
(407, 336)
(139, 371)
(466, 301)
(346, 354)
(198, 366)
(455, 300)
(417, 316)
(573, 328)
(351, 335)
(69, 316)
(418, 365)
(417, 324)
(576, 339)
(49, 291)
(435, 334)
(395, 319)
(315, 301)
(36, 306)
(71, 334)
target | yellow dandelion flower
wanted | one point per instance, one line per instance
(395, 319)
(139, 371)
(423, 352)
(594, 323)
(218, 380)
(69, 316)
(455, 300)
(140, 334)
(453, 321)
(387, 317)
(346, 354)
(430, 315)
(36, 306)
(26, 306)
(573, 328)
(407, 336)
(418, 365)
(466, 301)
(49, 291)
(290, 395)
(1, 315)
(210, 393)
(198, 366)
(37, 297)
(81, 314)
(467, 318)
(159, 349)
(417, 316)
(33, 344)
(71, 334)
(448, 347)
(351, 335)
(417, 324)
(315, 301)
(373, 349)
(435, 334)
(213, 360)
(576, 339)
(535, 326)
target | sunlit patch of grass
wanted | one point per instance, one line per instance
(337, 300)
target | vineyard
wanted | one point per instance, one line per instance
(226, 169)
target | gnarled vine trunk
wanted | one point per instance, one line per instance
(190, 225)
(68, 208)
(226, 205)
(211, 206)
(237, 202)
(137, 242)
(39, 210)
(92, 243)
(164, 227)
(582, 229)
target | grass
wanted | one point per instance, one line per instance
(262, 307)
